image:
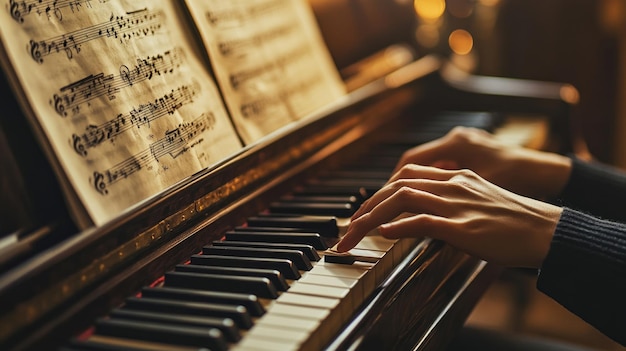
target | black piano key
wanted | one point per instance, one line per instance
(90, 345)
(239, 314)
(273, 275)
(225, 325)
(369, 185)
(375, 174)
(295, 256)
(250, 302)
(212, 339)
(259, 286)
(343, 210)
(347, 199)
(276, 235)
(325, 226)
(320, 190)
(307, 250)
(286, 267)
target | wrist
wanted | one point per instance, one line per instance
(545, 173)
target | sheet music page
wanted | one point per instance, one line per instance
(270, 61)
(120, 93)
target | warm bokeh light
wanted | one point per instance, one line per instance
(429, 9)
(461, 42)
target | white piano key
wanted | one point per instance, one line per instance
(379, 243)
(259, 344)
(140, 344)
(343, 295)
(356, 289)
(361, 272)
(332, 322)
(313, 328)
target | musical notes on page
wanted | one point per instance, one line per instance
(138, 117)
(48, 8)
(132, 25)
(173, 144)
(71, 97)
(260, 50)
(120, 92)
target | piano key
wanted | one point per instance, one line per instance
(275, 277)
(258, 286)
(286, 267)
(297, 257)
(276, 235)
(155, 332)
(362, 273)
(316, 315)
(345, 199)
(321, 190)
(307, 250)
(256, 344)
(313, 208)
(239, 314)
(225, 325)
(376, 174)
(312, 327)
(381, 263)
(107, 343)
(335, 318)
(250, 302)
(372, 185)
(325, 226)
(279, 335)
(354, 287)
(341, 294)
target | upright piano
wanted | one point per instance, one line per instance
(233, 257)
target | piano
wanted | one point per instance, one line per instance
(233, 258)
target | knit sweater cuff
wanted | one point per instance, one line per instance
(585, 268)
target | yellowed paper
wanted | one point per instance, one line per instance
(270, 60)
(119, 91)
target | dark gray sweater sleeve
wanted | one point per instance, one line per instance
(596, 188)
(585, 269)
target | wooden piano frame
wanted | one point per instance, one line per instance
(48, 298)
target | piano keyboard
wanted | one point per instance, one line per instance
(271, 284)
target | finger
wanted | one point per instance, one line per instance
(425, 154)
(416, 226)
(446, 164)
(430, 180)
(416, 171)
(406, 200)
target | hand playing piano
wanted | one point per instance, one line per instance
(524, 171)
(461, 208)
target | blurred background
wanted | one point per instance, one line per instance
(581, 42)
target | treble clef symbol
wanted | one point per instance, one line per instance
(99, 183)
(59, 106)
(35, 52)
(79, 147)
(15, 11)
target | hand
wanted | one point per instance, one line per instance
(524, 171)
(461, 208)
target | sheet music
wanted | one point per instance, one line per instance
(270, 60)
(120, 93)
